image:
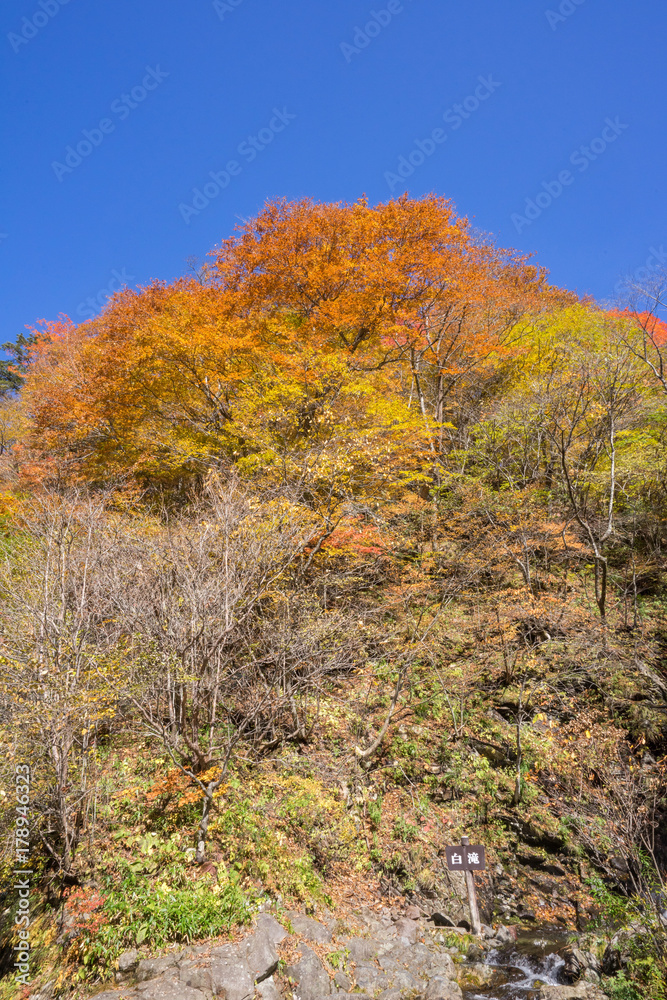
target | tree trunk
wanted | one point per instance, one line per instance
(601, 584)
(200, 855)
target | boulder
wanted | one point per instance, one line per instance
(260, 947)
(406, 930)
(475, 953)
(616, 955)
(308, 928)
(582, 991)
(442, 964)
(309, 976)
(128, 960)
(268, 990)
(370, 979)
(230, 974)
(151, 968)
(406, 981)
(361, 949)
(576, 963)
(439, 987)
(506, 935)
(197, 978)
(477, 974)
(168, 989)
(343, 982)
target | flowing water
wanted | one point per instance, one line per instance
(520, 968)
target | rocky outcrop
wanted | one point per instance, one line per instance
(582, 991)
(394, 957)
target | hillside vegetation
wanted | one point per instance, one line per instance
(347, 545)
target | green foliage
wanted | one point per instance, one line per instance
(405, 831)
(645, 977)
(261, 855)
(138, 910)
(374, 809)
(621, 988)
(338, 959)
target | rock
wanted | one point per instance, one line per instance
(309, 975)
(343, 982)
(582, 991)
(167, 989)
(406, 930)
(406, 982)
(413, 912)
(370, 979)
(388, 963)
(361, 949)
(575, 963)
(488, 932)
(442, 920)
(198, 979)
(530, 860)
(230, 974)
(475, 953)
(506, 935)
(151, 968)
(476, 974)
(552, 869)
(128, 960)
(615, 957)
(308, 928)
(442, 965)
(270, 927)
(268, 990)
(439, 987)
(260, 947)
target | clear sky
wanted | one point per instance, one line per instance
(138, 132)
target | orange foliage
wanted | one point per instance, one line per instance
(654, 326)
(299, 345)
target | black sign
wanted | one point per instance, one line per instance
(467, 857)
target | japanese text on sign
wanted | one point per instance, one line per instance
(471, 857)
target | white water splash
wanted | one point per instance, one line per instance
(527, 969)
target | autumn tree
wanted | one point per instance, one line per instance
(319, 348)
(60, 671)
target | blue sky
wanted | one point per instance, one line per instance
(137, 132)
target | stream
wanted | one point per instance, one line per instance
(521, 967)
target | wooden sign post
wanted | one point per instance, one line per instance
(472, 896)
(468, 858)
